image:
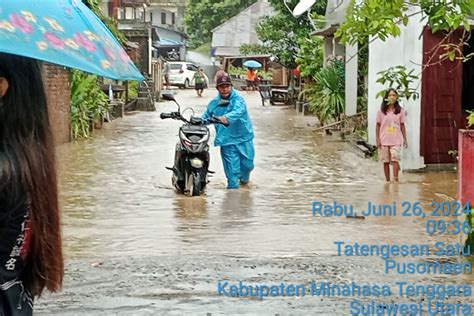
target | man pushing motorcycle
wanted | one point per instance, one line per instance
(236, 140)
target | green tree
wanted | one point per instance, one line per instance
(94, 5)
(381, 19)
(310, 56)
(282, 33)
(202, 16)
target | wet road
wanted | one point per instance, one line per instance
(135, 247)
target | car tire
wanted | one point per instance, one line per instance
(186, 83)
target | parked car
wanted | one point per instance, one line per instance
(181, 74)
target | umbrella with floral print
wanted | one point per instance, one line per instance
(63, 32)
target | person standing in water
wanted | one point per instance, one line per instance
(390, 133)
(236, 140)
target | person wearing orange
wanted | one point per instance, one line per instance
(251, 75)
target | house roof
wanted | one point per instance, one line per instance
(165, 42)
(226, 51)
(172, 30)
(237, 15)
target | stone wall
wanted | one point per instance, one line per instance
(58, 94)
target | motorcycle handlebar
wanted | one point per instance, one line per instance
(172, 115)
(177, 115)
(214, 120)
(165, 115)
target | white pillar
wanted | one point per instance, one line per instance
(150, 49)
(351, 79)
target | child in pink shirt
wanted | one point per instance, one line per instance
(390, 133)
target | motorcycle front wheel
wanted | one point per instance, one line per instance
(193, 184)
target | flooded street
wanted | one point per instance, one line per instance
(134, 246)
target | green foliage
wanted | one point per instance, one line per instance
(310, 56)
(282, 33)
(470, 236)
(88, 102)
(253, 49)
(239, 72)
(382, 19)
(133, 89)
(470, 119)
(326, 96)
(204, 15)
(399, 79)
(236, 72)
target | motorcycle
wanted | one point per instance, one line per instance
(172, 56)
(191, 161)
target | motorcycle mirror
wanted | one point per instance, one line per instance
(224, 103)
(168, 97)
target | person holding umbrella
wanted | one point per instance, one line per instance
(252, 76)
(66, 33)
(31, 257)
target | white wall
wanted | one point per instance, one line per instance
(351, 79)
(406, 50)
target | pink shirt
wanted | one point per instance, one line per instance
(390, 127)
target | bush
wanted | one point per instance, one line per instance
(88, 103)
(326, 96)
(470, 119)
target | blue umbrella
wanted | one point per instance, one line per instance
(63, 32)
(252, 64)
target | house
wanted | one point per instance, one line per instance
(228, 37)
(167, 17)
(334, 17)
(153, 28)
(130, 15)
(445, 89)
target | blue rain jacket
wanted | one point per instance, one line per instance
(240, 127)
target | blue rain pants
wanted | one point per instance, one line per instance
(238, 163)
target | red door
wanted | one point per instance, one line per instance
(441, 101)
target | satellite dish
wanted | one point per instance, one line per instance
(302, 7)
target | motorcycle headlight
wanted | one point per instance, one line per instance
(196, 163)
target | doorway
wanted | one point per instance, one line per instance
(441, 101)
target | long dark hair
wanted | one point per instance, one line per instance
(28, 162)
(384, 106)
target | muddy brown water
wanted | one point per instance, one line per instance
(134, 246)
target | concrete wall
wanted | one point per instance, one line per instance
(406, 50)
(58, 94)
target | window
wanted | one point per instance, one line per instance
(163, 17)
(139, 14)
(173, 18)
(129, 13)
(175, 66)
(151, 17)
(191, 67)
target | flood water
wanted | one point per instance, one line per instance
(134, 246)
